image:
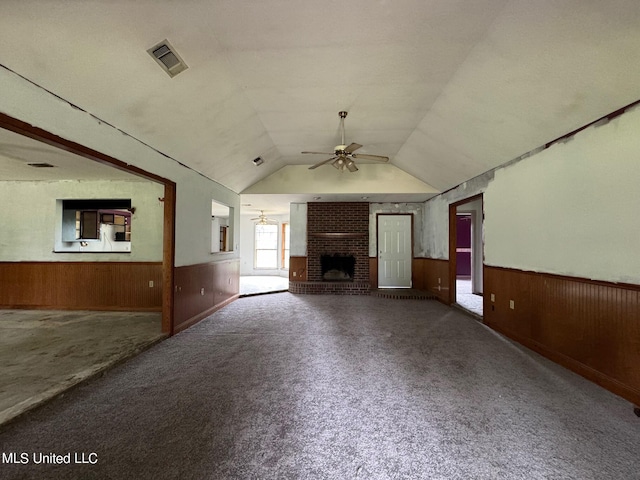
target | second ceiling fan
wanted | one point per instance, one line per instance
(343, 156)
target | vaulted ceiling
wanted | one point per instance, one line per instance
(448, 89)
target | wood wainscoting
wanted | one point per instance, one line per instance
(297, 269)
(373, 272)
(590, 327)
(117, 286)
(202, 289)
(425, 275)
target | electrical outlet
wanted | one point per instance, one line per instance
(202, 291)
(295, 273)
(512, 304)
(439, 280)
(493, 297)
(150, 283)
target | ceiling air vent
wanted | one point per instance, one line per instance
(167, 58)
(41, 165)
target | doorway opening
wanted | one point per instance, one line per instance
(466, 254)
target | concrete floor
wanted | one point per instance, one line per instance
(44, 352)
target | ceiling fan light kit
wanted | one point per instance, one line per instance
(343, 156)
(263, 220)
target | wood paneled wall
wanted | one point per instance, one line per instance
(590, 327)
(425, 275)
(202, 289)
(81, 285)
(298, 266)
(373, 272)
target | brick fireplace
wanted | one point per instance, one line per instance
(336, 232)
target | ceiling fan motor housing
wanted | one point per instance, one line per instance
(343, 156)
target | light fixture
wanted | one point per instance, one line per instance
(343, 164)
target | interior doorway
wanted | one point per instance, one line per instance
(467, 254)
(81, 156)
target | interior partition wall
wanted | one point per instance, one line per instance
(19, 277)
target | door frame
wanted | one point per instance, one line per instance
(169, 200)
(453, 211)
(378, 251)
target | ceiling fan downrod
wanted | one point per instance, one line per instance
(342, 116)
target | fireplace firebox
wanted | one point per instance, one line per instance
(336, 268)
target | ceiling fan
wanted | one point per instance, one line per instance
(343, 156)
(263, 220)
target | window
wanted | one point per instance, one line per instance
(285, 246)
(266, 246)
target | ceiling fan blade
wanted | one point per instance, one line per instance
(319, 153)
(352, 148)
(377, 158)
(322, 163)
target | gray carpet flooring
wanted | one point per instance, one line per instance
(332, 387)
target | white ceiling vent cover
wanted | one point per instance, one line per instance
(167, 58)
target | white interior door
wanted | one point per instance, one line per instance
(394, 251)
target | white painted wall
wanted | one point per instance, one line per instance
(31, 220)
(371, 178)
(194, 192)
(571, 209)
(247, 246)
(435, 236)
(413, 208)
(298, 219)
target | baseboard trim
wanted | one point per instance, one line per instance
(87, 308)
(202, 315)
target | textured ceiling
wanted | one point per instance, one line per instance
(447, 88)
